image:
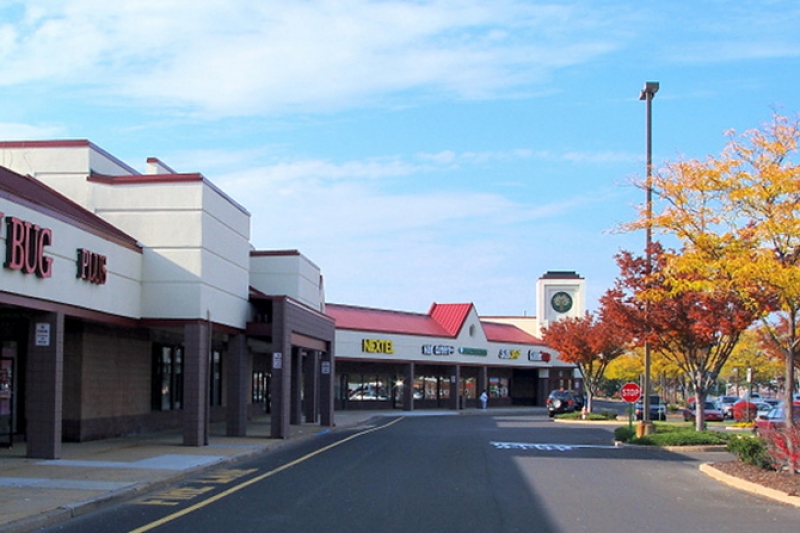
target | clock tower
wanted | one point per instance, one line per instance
(559, 294)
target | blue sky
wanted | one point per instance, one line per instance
(422, 151)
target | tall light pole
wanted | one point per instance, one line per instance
(648, 93)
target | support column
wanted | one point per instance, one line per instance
(281, 381)
(455, 392)
(311, 386)
(483, 380)
(326, 386)
(44, 379)
(195, 384)
(408, 387)
(237, 381)
(296, 415)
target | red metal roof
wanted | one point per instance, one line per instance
(497, 332)
(443, 320)
(450, 316)
(368, 319)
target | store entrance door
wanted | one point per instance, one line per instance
(8, 377)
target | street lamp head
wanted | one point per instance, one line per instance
(651, 88)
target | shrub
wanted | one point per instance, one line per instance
(624, 434)
(783, 447)
(750, 450)
(744, 411)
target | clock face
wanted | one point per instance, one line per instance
(561, 302)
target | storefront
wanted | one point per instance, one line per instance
(152, 314)
(443, 359)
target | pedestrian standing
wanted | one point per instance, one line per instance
(484, 398)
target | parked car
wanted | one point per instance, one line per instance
(711, 412)
(762, 408)
(560, 401)
(775, 419)
(658, 408)
(726, 404)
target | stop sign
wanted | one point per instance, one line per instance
(630, 392)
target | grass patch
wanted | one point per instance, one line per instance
(597, 416)
(667, 434)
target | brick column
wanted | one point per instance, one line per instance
(237, 383)
(296, 414)
(44, 381)
(195, 384)
(311, 386)
(326, 382)
(281, 380)
(408, 387)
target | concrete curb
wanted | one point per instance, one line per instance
(750, 487)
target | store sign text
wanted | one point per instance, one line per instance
(509, 354)
(473, 351)
(91, 266)
(538, 355)
(437, 349)
(377, 346)
(25, 244)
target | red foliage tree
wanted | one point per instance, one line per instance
(694, 329)
(589, 343)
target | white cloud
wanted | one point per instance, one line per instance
(11, 131)
(225, 57)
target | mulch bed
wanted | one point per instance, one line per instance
(782, 481)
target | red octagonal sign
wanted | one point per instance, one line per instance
(630, 392)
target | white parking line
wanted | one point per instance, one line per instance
(547, 447)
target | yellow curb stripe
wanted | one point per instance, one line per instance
(237, 488)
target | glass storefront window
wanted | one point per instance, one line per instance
(498, 387)
(367, 387)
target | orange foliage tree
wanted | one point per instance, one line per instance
(695, 329)
(737, 217)
(589, 343)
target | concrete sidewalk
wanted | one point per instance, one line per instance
(36, 493)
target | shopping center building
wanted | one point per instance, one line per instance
(448, 356)
(133, 302)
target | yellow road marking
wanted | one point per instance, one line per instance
(232, 490)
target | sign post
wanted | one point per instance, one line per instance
(630, 392)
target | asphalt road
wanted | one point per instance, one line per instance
(496, 473)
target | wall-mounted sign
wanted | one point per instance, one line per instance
(509, 354)
(377, 346)
(277, 361)
(325, 368)
(91, 266)
(473, 351)
(539, 355)
(25, 244)
(42, 334)
(437, 349)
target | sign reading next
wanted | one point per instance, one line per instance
(377, 346)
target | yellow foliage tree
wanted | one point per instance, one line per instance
(737, 217)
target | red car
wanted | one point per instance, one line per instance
(711, 412)
(775, 419)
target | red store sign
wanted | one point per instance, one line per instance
(25, 244)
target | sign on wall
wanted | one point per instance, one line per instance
(377, 346)
(25, 244)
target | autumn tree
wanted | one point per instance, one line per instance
(694, 329)
(590, 344)
(755, 353)
(737, 218)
